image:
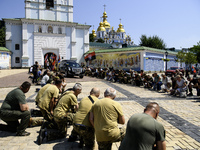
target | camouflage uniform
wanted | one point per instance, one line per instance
(62, 115)
(86, 133)
(107, 145)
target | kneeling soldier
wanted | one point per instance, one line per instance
(81, 122)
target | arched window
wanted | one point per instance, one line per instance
(50, 29)
(40, 29)
(16, 46)
(59, 30)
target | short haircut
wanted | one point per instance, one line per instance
(58, 81)
(26, 85)
(77, 86)
(110, 92)
(153, 106)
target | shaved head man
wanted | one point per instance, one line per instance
(81, 123)
(144, 131)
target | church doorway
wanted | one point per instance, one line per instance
(51, 61)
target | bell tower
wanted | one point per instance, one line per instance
(54, 10)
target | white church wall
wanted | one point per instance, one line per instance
(79, 44)
(16, 37)
(34, 14)
(30, 43)
(49, 15)
(67, 53)
(54, 43)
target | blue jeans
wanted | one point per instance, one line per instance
(157, 86)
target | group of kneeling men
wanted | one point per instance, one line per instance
(91, 117)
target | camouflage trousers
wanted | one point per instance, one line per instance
(46, 114)
(36, 121)
(107, 145)
(86, 133)
(61, 127)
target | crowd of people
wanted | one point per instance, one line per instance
(177, 84)
(90, 118)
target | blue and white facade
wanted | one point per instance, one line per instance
(48, 27)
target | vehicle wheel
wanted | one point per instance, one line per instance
(81, 76)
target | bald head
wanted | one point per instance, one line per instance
(152, 109)
(95, 92)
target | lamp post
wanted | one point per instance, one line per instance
(166, 53)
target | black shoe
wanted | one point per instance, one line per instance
(72, 138)
(190, 94)
(41, 136)
(23, 133)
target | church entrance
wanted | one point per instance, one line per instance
(51, 61)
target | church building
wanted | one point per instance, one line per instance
(110, 36)
(47, 34)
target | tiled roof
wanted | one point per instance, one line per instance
(4, 49)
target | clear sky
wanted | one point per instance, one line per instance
(177, 22)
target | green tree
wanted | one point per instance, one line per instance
(196, 50)
(100, 40)
(2, 34)
(190, 58)
(180, 57)
(154, 42)
(91, 37)
(187, 57)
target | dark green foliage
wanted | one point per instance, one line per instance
(2, 34)
(91, 37)
(196, 50)
(154, 42)
(100, 40)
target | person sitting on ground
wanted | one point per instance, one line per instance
(144, 131)
(39, 75)
(137, 79)
(157, 82)
(192, 83)
(105, 116)
(148, 82)
(64, 84)
(62, 114)
(180, 87)
(81, 123)
(165, 85)
(45, 79)
(15, 107)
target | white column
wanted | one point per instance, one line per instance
(86, 40)
(73, 44)
(25, 56)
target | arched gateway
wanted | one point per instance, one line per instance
(51, 61)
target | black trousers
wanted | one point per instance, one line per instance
(11, 117)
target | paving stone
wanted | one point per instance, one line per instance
(180, 116)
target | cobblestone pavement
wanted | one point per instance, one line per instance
(180, 116)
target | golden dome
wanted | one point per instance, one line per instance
(105, 15)
(93, 33)
(101, 27)
(120, 29)
(106, 24)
